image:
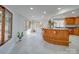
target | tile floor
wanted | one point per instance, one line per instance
(33, 43)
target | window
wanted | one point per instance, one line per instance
(59, 23)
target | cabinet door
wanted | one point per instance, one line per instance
(71, 31)
(8, 25)
(76, 31)
(77, 21)
(69, 21)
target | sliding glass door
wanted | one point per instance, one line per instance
(5, 25)
(1, 14)
(0, 26)
(8, 24)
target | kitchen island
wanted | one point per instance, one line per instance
(58, 36)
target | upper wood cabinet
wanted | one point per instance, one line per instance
(70, 21)
(77, 20)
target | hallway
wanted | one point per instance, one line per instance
(33, 43)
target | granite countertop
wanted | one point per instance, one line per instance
(60, 28)
(63, 28)
(66, 27)
(72, 26)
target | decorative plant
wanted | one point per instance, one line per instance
(20, 35)
(51, 23)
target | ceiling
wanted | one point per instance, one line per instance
(42, 12)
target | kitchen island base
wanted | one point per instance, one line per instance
(56, 36)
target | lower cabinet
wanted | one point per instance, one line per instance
(76, 31)
(58, 37)
(71, 31)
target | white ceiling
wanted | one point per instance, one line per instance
(51, 11)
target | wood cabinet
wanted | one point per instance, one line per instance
(76, 31)
(77, 21)
(70, 21)
(71, 31)
(5, 25)
(59, 37)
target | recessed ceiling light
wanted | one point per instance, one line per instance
(58, 8)
(73, 12)
(32, 16)
(31, 8)
(44, 12)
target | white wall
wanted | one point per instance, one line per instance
(18, 25)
